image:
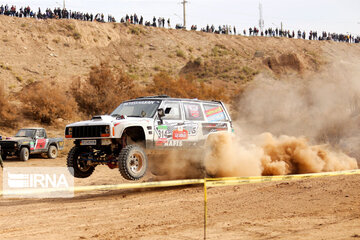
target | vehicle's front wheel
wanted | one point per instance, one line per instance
(52, 152)
(80, 167)
(132, 162)
(24, 154)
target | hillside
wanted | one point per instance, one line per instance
(57, 52)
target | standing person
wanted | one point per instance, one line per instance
(168, 21)
(234, 30)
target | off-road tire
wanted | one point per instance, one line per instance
(24, 154)
(73, 162)
(52, 152)
(132, 162)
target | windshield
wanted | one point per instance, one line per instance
(137, 109)
(26, 133)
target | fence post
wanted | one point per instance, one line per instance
(205, 208)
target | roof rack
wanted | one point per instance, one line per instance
(159, 96)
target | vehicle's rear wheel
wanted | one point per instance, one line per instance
(80, 168)
(52, 152)
(24, 154)
(132, 162)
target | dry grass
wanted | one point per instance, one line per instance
(184, 88)
(8, 113)
(45, 103)
(104, 90)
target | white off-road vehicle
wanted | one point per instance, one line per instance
(141, 126)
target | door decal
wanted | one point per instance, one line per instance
(40, 144)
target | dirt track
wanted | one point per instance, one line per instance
(324, 208)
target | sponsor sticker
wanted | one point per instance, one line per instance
(213, 111)
(140, 102)
(160, 142)
(180, 135)
(173, 143)
(194, 111)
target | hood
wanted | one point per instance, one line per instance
(108, 120)
(17, 139)
(96, 120)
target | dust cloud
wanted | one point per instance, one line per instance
(229, 156)
(294, 125)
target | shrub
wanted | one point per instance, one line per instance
(198, 61)
(184, 88)
(8, 113)
(180, 53)
(45, 103)
(69, 27)
(76, 35)
(104, 90)
(135, 30)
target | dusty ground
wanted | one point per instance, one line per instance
(324, 208)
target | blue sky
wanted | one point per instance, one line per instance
(329, 15)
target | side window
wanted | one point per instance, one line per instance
(193, 111)
(175, 113)
(214, 113)
(40, 133)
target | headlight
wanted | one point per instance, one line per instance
(107, 132)
(68, 132)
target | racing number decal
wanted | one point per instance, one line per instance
(40, 144)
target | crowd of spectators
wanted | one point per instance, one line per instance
(59, 13)
(270, 32)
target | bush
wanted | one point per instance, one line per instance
(104, 90)
(8, 113)
(180, 53)
(45, 103)
(184, 88)
(77, 35)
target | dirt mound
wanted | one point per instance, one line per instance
(284, 63)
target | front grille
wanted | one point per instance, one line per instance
(88, 131)
(7, 145)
